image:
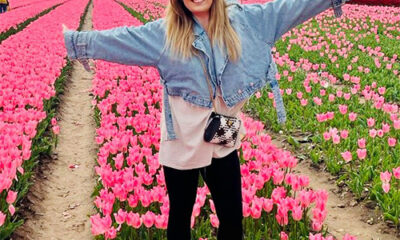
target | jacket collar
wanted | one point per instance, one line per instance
(197, 28)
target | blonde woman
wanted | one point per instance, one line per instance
(234, 42)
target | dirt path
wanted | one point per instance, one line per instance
(60, 197)
(345, 215)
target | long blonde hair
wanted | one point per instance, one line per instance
(179, 29)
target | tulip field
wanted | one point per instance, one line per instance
(339, 79)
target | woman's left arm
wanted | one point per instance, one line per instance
(273, 19)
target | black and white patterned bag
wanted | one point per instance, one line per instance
(220, 129)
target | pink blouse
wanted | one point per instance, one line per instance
(189, 150)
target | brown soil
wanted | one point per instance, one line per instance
(60, 201)
(345, 215)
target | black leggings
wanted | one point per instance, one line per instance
(224, 182)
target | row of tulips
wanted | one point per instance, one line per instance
(131, 196)
(374, 2)
(13, 19)
(391, 194)
(14, 4)
(363, 45)
(153, 9)
(340, 81)
(32, 74)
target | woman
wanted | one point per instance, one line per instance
(4, 6)
(234, 41)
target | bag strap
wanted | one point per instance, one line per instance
(207, 78)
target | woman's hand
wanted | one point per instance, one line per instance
(64, 28)
(83, 61)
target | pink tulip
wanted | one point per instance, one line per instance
(304, 181)
(278, 194)
(361, 142)
(214, 220)
(317, 101)
(160, 221)
(361, 153)
(343, 109)
(284, 236)
(346, 156)
(111, 233)
(385, 127)
(396, 124)
(282, 215)
(352, 116)
(336, 139)
(385, 176)
(246, 210)
(268, 205)
(372, 133)
(56, 129)
(380, 133)
(316, 226)
(316, 236)
(386, 187)
(303, 102)
(349, 237)
(120, 217)
(327, 136)
(396, 172)
(148, 219)
(306, 198)
(133, 219)
(381, 90)
(371, 122)
(11, 209)
(344, 134)
(297, 213)
(11, 196)
(53, 121)
(392, 142)
(100, 224)
(2, 218)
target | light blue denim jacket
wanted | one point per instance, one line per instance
(258, 27)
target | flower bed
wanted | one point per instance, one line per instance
(340, 81)
(13, 19)
(32, 73)
(131, 196)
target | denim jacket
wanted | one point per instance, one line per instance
(258, 27)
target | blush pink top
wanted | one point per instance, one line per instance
(189, 150)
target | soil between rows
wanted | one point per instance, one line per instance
(59, 202)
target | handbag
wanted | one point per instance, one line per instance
(220, 129)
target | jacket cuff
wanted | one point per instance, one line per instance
(75, 43)
(337, 7)
(69, 44)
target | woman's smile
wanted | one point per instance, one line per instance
(198, 1)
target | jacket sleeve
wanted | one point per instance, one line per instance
(273, 19)
(131, 45)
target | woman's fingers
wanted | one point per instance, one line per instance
(64, 27)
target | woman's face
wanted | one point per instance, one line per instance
(198, 7)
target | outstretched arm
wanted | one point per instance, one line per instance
(125, 45)
(273, 19)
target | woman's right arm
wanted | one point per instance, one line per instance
(131, 45)
(274, 18)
